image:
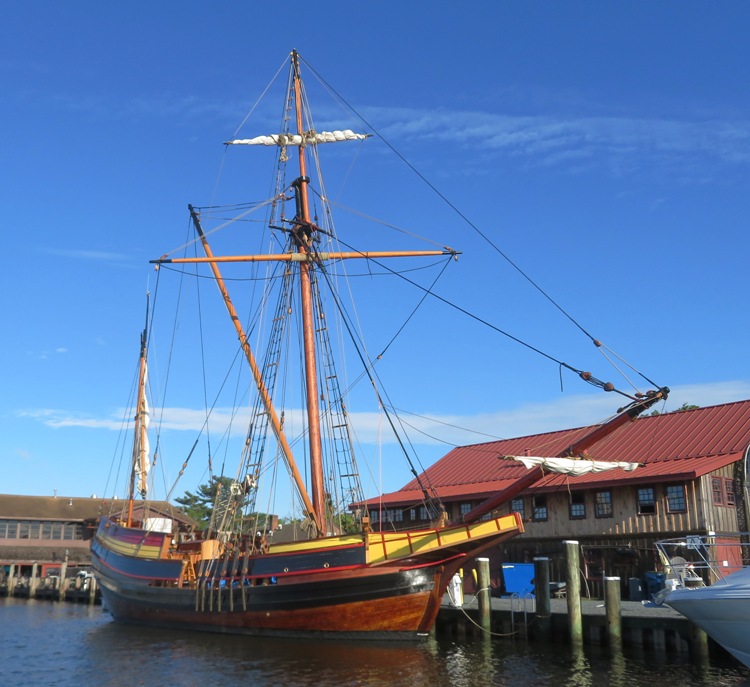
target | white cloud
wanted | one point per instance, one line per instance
(556, 140)
(565, 412)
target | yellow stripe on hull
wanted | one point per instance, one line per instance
(389, 546)
(134, 550)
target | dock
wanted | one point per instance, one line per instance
(644, 625)
(80, 587)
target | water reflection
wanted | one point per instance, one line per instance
(68, 645)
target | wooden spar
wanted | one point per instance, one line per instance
(262, 390)
(138, 421)
(531, 476)
(303, 238)
(309, 257)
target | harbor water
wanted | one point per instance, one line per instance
(66, 644)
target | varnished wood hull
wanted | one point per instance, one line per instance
(396, 605)
(331, 589)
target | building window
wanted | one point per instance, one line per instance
(540, 508)
(516, 506)
(676, 500)
(464, 508)
(9, 529)
(717, 490)
(423, 513)
(412, 514)
(577, 506)
(373, 517)
(603, 504)
(646, 501)
(398, 515)
(729, 492)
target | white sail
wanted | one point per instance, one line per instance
(573, 466)
(309, 137)
(142, 461)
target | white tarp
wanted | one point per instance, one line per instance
(158, 525)
(573, 466)
(296, 139)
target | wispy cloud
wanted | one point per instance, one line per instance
(84, 254)
(566, 412)
(621, 143)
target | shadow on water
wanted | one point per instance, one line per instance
(65, 644)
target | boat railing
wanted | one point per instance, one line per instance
(696, 560)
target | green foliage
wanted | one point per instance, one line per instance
(200, 506)
(684, 406)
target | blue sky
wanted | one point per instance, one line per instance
(604, 147)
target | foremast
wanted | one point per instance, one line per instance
(140, 461)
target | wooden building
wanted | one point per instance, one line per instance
(692, 480)
(41, 532)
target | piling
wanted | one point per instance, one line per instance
(573, 586)
(63, 573)
(698, 644)
(542, 593)
(614, 611)
(483, 593)
(34, 582)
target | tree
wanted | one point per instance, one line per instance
(684, 406)
(200, 506)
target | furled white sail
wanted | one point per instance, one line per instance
(573, 466)
(142, 460)
(309, 137)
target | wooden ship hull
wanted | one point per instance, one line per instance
(385, 585)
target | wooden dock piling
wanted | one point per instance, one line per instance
(614, 611)
(483, 593)
(573, 586)
(542, 593)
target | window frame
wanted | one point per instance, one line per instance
(537, 508)
(679, 499)
(514, 509)
(730, 496)
(582, 503)
(641, 503)
(599, 506)
(717, 491)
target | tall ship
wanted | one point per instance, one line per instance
(344, 576)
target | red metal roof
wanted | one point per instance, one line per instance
(671, 447)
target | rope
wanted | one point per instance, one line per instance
(474, 622)
(480, 233)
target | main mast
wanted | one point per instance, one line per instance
(303, 236)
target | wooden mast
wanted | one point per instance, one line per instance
(303, 234)
(257, 376)
(139, 428)
(303, 237)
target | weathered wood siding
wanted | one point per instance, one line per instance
(700, 515)
(718, 518)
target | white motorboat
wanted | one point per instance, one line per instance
(710, 586)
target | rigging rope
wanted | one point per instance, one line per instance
(495, 247)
